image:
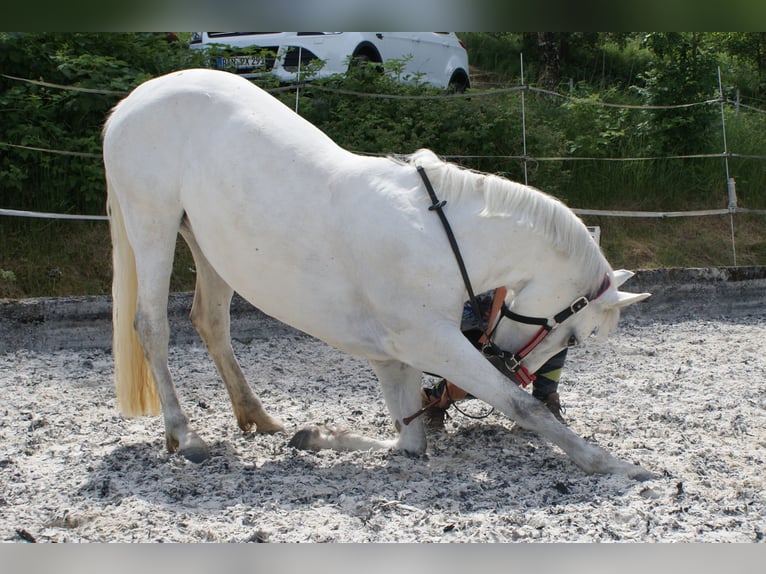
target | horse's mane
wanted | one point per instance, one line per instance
(543, 213)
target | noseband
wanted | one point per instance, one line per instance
(507, 362)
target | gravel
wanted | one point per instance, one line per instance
(679, 388)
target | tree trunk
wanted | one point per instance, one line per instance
(762, 54)
(549, 49)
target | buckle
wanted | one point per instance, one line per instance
(512, 362)
(524, 377)
(579, 304)
(503, 361)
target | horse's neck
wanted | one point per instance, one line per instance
(508, 254)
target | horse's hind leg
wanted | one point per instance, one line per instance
(154, 250)
(210, 316)
(401, 390)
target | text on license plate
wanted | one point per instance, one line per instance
(240, 62)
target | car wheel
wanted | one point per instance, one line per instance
(458, 83)
(363, 56)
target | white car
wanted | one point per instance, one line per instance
(437, 58)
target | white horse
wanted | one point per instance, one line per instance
(341, 246)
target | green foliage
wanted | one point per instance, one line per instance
(486, 126)
(600, 59)
(496, 52)
(747, 63)
(744, 133)
(664, 68)
(37, 116)
(683, 71)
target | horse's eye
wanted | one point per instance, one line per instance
(572, 341)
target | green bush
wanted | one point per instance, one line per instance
(37, 116)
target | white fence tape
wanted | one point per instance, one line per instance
(42, 215)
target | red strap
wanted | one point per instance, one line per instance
(524, 377)
(454, 393)
(533, 342)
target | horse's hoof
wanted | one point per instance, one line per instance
(303, 439)
(641, 474)
(196, 453)
(270, 426)
(638, 472)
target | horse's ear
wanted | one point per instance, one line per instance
(621, 276)
(623, 298)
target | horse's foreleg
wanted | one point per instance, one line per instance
(401, 391)
(455, 359)
(533, 415)
(210, 316)
(401, 385)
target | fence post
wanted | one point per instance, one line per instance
(298, 85)
(523, 122)
(729, 180)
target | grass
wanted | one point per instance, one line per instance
(682, 242)
(44, 258)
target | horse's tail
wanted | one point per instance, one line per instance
(134, 384)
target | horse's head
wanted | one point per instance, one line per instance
(535, 326)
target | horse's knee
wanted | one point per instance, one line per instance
(530, 413)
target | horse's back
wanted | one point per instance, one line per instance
(178, 94)
(216, 149)
(183, 116)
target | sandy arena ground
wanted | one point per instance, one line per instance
(679, 388)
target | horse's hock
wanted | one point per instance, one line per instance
(49, 324)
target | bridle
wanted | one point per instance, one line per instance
(507, 362)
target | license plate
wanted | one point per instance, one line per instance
(240, 62)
